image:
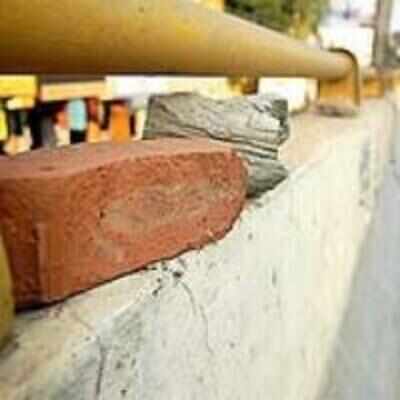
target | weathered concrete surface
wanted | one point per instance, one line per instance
(76, 217)
(256, 316)
(365, 363)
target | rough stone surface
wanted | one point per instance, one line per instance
(283, 308)
(73, 218)
(255, 125)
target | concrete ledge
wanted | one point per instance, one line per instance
(250, 317)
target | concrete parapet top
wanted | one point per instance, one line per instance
(225, 321)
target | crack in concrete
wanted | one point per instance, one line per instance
(197, 306)
(103, 353)
(102, 365)
(206, 326)
(190, 294)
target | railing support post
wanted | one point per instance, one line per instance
(342, 96)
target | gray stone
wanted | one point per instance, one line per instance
(255, 125)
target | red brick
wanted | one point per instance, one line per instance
(75, 217)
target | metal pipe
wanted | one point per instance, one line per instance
(149, 37)
(6, 299)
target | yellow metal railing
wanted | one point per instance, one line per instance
(148, 37)
(6, 300)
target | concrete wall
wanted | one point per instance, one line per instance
(254, 316)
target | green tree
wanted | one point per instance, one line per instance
(296, 17)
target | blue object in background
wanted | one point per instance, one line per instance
(77, 115)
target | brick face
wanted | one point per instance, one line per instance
(76, 217)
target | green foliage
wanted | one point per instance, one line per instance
(298, 17)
